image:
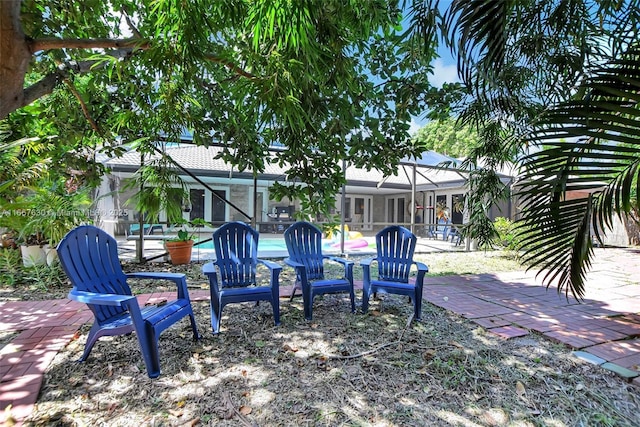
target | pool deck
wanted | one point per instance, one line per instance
(154, 248)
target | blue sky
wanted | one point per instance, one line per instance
(444, 71)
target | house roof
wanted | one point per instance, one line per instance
(202, 162)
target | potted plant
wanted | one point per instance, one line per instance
(180, 247)
(50, 213)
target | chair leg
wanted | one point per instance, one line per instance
(91, 340)
(307, 303)
(365, 299)
(194, 328)
(150, 353)
(296, 285)
(417, 307)
(352, 295)
(216, 313)
(275, 303)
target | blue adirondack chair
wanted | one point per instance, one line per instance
(395, 246)
(232, 275)
(304, 243)
(443, 229)
(89, 257)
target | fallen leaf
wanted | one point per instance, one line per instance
(287, 347)
(376, 313)
(520, 389)
(245, 410)
(181, 404)
(175, 413)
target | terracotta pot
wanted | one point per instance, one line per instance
(180, 252)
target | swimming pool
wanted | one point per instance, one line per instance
(263, 245)
(276, 247)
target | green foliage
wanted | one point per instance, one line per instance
(326, 81)
(41, 277)
(585, 173)
(447, 137)
(10, 261)
(538, 72)
(45, 213)
(506, 233)
(158, 187)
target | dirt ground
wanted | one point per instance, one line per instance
(341, 369)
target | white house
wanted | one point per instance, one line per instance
(219, 193)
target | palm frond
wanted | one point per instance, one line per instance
(585, 174)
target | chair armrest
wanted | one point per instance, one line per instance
(342, 261)
(159, 275)
(273, 266)
(99, 299)
(422, 267)
(367, 261)
(422, 270)
(178, 278)
(292, 263)
(209, 268)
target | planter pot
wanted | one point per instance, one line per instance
(180, 252)
(33, 255)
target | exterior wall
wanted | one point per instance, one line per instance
(241, 194)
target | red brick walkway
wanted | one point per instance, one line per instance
(604, 329)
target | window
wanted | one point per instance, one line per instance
(401, 210)
(218, 211)
(457, 205)
(197, 204)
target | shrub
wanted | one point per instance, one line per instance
(506, 233)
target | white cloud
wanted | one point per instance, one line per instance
(443, 73)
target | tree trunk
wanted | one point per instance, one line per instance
(631, 223)
(15, 55)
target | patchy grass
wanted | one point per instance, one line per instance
(341, 369)
(478, 262)
(45, 282)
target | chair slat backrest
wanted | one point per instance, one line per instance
(89, 257)
(395, 246)
(236, 247)
(304, 243)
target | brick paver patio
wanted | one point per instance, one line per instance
(603, 329)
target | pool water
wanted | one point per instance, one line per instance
(278, 245)
(263, 245)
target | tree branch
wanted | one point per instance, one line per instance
(41, 88)
(37, 45)
(230, 65)
(83, 105)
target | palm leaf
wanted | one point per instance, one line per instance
(591, 145)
